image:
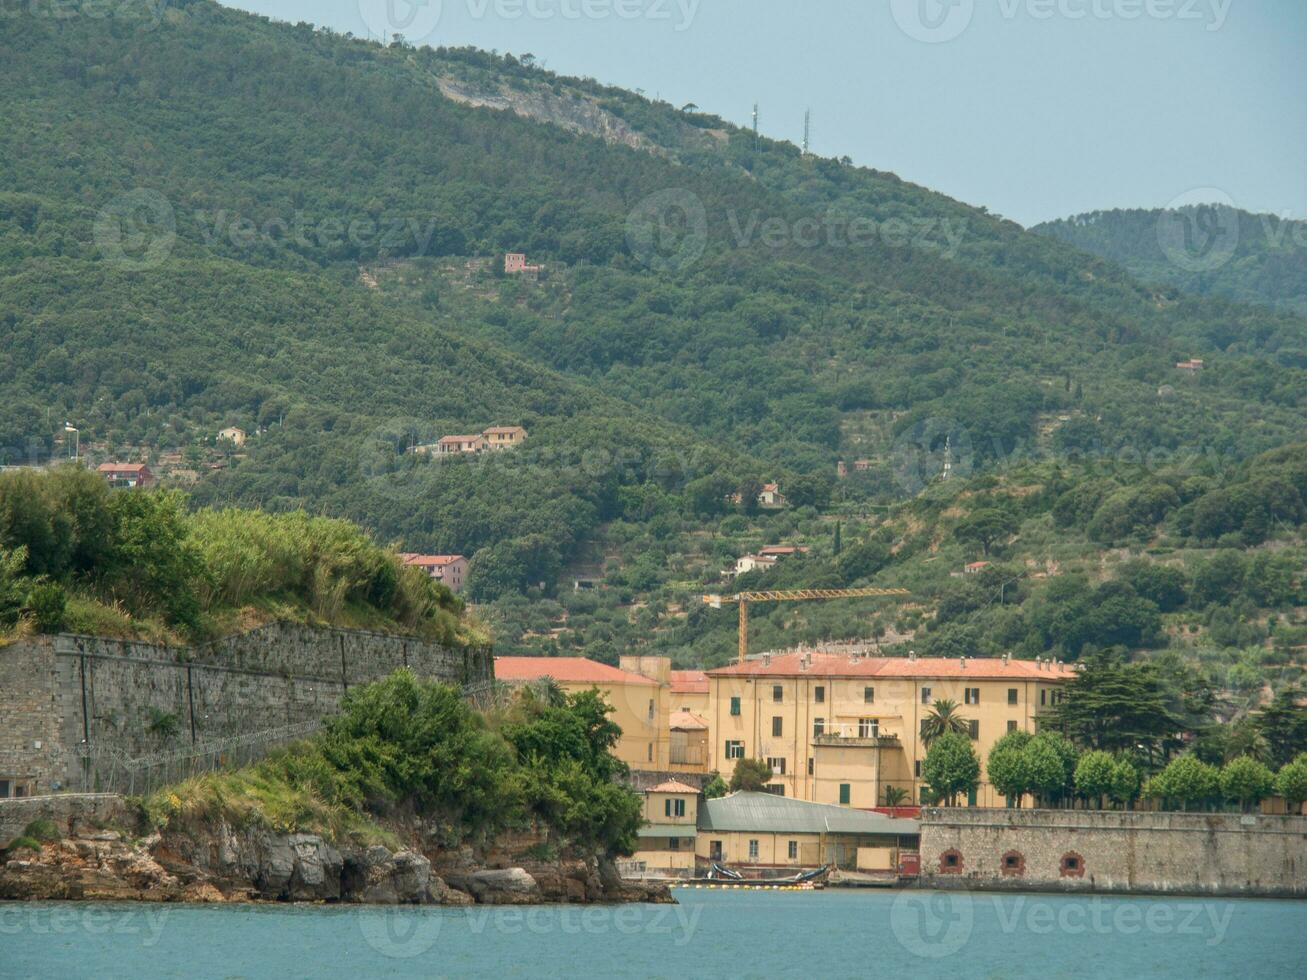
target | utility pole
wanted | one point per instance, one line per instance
(807, 129)
(755, 125)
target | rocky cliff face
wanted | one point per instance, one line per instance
(226, 864)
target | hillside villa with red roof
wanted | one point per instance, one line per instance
(841, 729)
(448, 570)
(129, 475)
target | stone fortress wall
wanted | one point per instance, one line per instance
(77, 712)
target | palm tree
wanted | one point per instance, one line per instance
(943, 717)
(894, 795)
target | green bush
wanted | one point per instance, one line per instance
(48, 604)
(42, 829)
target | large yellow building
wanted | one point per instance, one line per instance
(639, 702)
(841, 729)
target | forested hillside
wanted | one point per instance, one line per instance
(1204, 250)
(228, 221)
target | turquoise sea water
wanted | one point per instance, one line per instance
(710, 934)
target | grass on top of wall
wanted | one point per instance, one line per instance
(265, 795)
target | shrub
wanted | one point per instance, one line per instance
(1246, 781)
(48, 604)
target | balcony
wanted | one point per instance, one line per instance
(841, 741)
(687, 755)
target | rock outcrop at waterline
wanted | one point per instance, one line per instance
(225, 864)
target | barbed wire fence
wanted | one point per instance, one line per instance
(107, 769)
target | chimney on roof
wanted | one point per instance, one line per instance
(766, 659)
(963, 661)
(1007, 657)
(912, 656)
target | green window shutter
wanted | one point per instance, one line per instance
(735, 706)
(844, 793)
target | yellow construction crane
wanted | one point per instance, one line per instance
(792, 595)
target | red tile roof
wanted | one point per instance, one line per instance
(567, 670)
(426, 561)
(840, 665)
(689, 682)
(673, 786)
(122, 467)
(687, 721)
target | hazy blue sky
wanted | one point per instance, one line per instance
(1034, 108)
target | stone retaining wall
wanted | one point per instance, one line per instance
(67, 698)
(1111, 851)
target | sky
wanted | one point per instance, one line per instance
(1035, 109)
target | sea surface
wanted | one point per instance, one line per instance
(711, 933)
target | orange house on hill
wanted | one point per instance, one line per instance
(126, 475)
(448, 570)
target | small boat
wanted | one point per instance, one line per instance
(723, 877)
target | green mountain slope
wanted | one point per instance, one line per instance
(1204, 250)
(224, 220)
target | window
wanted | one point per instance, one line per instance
(775, 789)
(818, 727)
(793, 850)
(1011, 695)
(974, 727)
(5, 789)
(868, 695)
(715, 850)
(734, 749)
(868, 727)
(753, 850)
(971, 695)
(673, 808)
(819, 694)
(844, 794)
(925, 695)
(811, 767)
(735, 706)
(673, 843)
(1011, 725)
(1043, 697)
(777, 765)
(916, 768)
(971, 797)
(777, 693)
(777, 726)
(651, 751)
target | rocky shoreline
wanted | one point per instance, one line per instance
(223, 864)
